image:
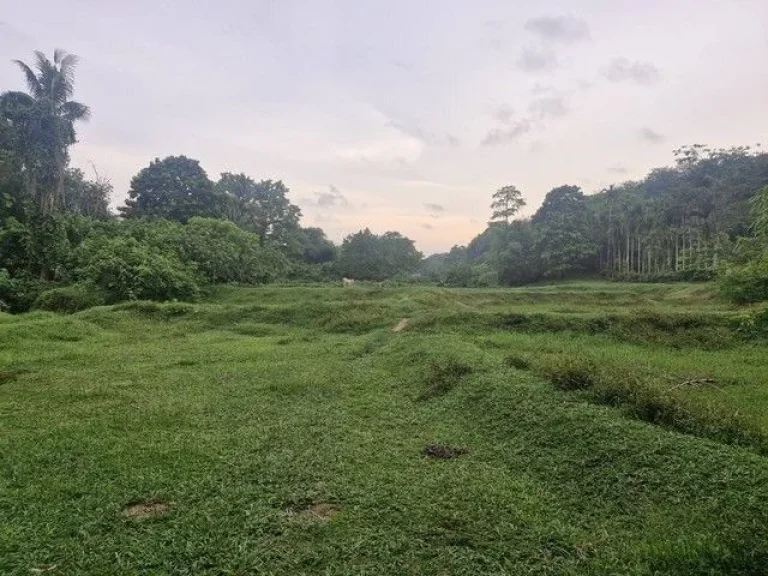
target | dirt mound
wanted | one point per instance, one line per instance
(444, 452)
(402, 325)
(146, 509)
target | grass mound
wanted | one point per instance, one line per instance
(647, 399)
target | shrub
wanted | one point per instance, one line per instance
(746, 283)
(222, 252)
(6, 288)
(15, 240)
(69, 299)
(470, 276)
(125, 269)
(756, 324)
(18, 294)
(303, 272)
(460, 276)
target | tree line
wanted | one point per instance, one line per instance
(703, 218)
(179, 230)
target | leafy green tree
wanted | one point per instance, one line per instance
(45, 120)
(222, 252)
(15, 244)
(12, 199)
(175, 188)
(566, 241)
(260, 207)
(507, 202)
(48, 248)
(436, 266)
(86, 197)
(759, 209)
(479, 247)
(313, 247)
(515, 254)
(367, 256)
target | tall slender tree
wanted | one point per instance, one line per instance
(507, 202)
(46, 116)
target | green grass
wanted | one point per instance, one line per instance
(243, 411)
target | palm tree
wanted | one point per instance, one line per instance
(47, 117)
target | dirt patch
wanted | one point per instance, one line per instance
(146, 509)
(443, 452)
(402, 325)
(323, 511)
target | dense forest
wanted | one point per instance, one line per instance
(180, 231)
(700, 219)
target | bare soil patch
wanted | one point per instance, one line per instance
(146, 509)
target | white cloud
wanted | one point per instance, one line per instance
(623, 70)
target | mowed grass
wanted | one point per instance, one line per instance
(281, 430)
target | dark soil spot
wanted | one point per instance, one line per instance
(9, 376)
(146, 509)
(444, 452)
(322, 511)
(442, 377)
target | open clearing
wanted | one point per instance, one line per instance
(596, 428)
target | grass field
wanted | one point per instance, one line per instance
(599, 429)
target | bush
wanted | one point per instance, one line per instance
(303, 272)
(222, 252)
(469, 276)
(460, 276)
(6, 289)
(125, 269)
(69, 299)
(15, 240)
(18, 294)
(756, 324)
(746, 283)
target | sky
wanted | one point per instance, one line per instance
(403, 114)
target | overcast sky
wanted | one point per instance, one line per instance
(404, 114)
